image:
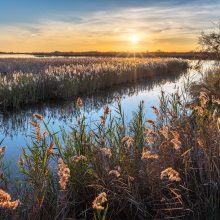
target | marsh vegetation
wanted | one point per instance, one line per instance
(28, 81)
(162, 168)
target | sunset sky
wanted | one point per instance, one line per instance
(104, 25)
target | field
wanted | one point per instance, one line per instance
(28, 81)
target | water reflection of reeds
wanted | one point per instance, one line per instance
(14, 122)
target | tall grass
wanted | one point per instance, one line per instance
(210, 83)
(25, 81)
(162, 169)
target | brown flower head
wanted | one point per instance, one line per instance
(38, 132)
(199, 110)
(164, 131)
(201, 142)
(203, 97)
(175, 135)
(99, 201)
(38, 116)
(151, 122)
(50, 149)
(102, 120)
(130, 178)
(106, 110)
(215, 101)
(76, 159)
(106, 152)
(155, 110)
(114, 172)
(79, 103)
(45, 134)
(21, 162)
(146, 154)
(172, 174)
(176, 143)
(118, 99)
(5, 201)
(128, 140)
(63, 173)
(2, 150)
(34, 124)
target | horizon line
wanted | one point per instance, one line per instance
(96, 51)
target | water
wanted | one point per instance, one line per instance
(17, 56)
(15, 127)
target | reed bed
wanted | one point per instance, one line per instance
(162, 169)
(26, 81)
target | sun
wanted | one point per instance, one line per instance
(134, 39)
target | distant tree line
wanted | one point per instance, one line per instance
(186, 55)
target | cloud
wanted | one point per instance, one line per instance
(167, 25)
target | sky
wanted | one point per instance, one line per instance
(104, 25)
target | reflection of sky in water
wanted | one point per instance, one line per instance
(16, 56)
(17, 134)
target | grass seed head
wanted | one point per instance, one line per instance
(115, 173)
(106, 152)
(106, 110)
(171, 174)
(2, 150)
(146, 154)
(5, 201)
(38, 116)
(99, 201)
(128, 140)
(76, 159)
(176, 143)
(203, 97)
(79, 103)
(21, 162)
(63, 173)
